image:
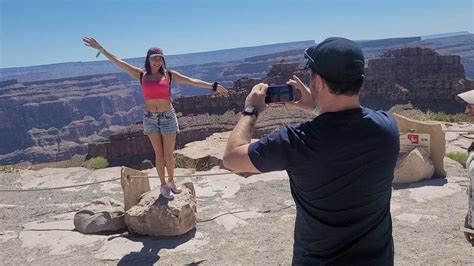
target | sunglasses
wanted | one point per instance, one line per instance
(307, 61)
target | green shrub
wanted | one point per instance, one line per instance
(182, 161)
(458, 156)
(97, 163)
(443, 117)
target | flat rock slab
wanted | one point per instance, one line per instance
(204, 154)
(459, 136)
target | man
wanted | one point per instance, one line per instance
(468, 97)
(340, 164)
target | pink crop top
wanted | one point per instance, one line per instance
(156, 89)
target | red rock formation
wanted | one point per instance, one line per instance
(418, 75)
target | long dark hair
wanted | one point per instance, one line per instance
(148, 66)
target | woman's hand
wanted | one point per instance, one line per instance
(222, 90)
(91, 42)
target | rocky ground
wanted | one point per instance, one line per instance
(241, 220)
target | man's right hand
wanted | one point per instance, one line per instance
(306, 102)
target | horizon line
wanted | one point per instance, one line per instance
(455, 33)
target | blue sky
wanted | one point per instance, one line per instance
(36, 32)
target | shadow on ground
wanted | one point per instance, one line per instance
(152, 245)
(435, 182)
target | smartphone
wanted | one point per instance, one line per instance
(279, 94)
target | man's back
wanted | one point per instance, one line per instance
(341, 169)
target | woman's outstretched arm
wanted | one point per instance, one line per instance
(133, 71)
(183, 79)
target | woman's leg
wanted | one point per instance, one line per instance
(169, 141)
(157, 143)
(169, 128)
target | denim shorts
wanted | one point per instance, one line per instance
(160, 122)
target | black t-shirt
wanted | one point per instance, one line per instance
(341, 168)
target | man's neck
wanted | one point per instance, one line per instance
(339, 103)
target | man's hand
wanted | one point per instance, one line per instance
(256, 97)
(307, 101)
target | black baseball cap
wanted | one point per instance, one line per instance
(337, 60)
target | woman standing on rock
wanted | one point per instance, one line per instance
(159, 120)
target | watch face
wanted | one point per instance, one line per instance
(249, 109)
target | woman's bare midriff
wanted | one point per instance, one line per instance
(155, 105)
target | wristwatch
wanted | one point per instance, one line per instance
(214, 86)
(250, 110)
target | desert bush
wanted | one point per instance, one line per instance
(443, 117)
(97, 163)
(458, 156)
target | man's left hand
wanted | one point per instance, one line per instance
(256, 97)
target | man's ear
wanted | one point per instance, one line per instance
(320, 83)
(315, 86)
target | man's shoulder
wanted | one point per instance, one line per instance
(298, 129)
(288, 134)
(380, 116)
(385, 124)
(287, 130)
(382, 113)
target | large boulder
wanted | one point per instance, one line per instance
(155, 215)
(437, 139)
(413, 167)
(102, 215)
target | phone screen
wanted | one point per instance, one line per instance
(279, 93)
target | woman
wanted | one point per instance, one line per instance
(159, 121)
